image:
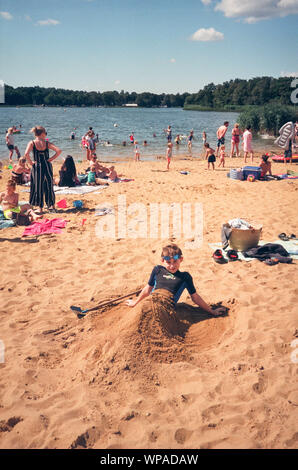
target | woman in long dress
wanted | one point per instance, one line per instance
(41, 179)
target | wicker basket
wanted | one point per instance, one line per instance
(242, 240)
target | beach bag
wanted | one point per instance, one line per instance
(242, 240)
(22, 219)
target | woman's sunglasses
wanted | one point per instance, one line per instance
(168, 258)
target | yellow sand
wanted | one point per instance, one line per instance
(115, 379)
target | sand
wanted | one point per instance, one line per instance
(117, 379)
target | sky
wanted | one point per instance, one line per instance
(160, 46)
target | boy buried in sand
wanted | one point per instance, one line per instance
(210, 155)
(167, 277)
(9, 200)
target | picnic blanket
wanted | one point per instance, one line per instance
(45, 226)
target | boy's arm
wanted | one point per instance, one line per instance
(144, 293)
(201, 303)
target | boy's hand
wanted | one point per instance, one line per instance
(219, 311)
(130, 303)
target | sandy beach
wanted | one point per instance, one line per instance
(117, 380)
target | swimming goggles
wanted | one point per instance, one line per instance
(168, 258)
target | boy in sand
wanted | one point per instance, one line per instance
(210, 155)
(167, 276)
(9, 200)
(221, 132)
(222, 156)
(169, 154)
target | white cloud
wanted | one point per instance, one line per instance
(48, 22)
(289, 74)
(5, 15)
(206, 2)
(173, 61)
(256, 10)
(117, 82)
(207, 35)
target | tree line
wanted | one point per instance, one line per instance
(254, 92)
(234, 93)
(32, 96)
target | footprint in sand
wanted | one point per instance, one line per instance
(182, 435)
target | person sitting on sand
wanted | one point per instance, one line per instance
(222, 156)
(167, 276)
(20, 173)
(68, 173)
(92, 176)
(101, 171)
(210, 155)
(9, 200)
(113, 174)
(265, 166)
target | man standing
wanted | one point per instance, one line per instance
(221, 132)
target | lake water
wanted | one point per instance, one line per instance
(115, 125)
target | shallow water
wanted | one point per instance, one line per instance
(115, 125)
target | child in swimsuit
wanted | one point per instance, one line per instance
(167, 276)
(169, 154)
(210, 155)
(137, 152)
(113, 174)
(222, 156)
(9, 200)
(20, 172)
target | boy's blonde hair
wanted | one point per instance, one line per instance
(171, 250)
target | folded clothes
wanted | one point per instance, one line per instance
(45, 226)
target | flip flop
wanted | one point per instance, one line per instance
(218, 257)
(293, 237)
(283, 237)
(271, 261)
(232, 255)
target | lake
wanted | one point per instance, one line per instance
(115, 125)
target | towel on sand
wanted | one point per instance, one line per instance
(45, 226)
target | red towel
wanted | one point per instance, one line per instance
(45, 226)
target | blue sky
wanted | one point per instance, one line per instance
(160, 46)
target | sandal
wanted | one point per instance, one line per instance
(283, 237)
(218, 257)
(293, 237)
(271, 261)
(232, 255)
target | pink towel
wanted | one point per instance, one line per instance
(45, 226)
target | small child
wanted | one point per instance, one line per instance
(92, 176)
(222, 156)
(210, 155)
(20, 173)
(137, 152)
(9, 200)
(169, 154)
(167, 276)
(113, 174)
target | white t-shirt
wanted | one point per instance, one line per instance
(10, 139)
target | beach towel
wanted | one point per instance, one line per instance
(83, 189)
(291, 247)
(5, 223)
(45, 226)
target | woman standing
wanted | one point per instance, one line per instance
(42, 171)
(235, 140)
